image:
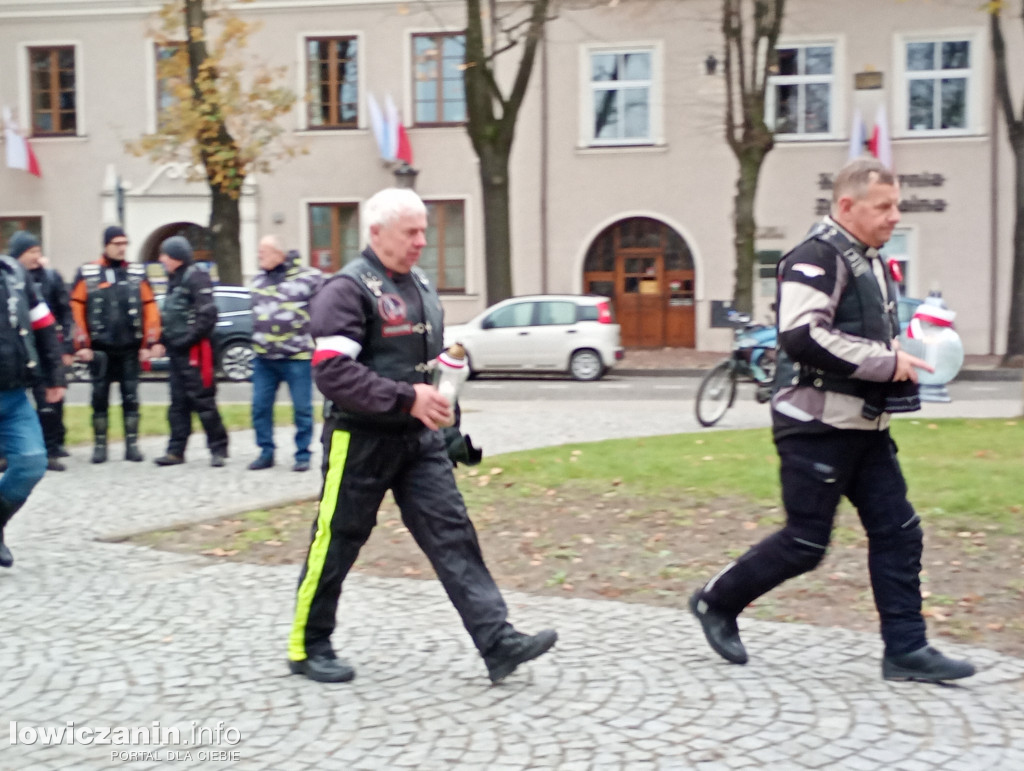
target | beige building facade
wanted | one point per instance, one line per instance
(622, 182)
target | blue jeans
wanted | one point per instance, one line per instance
(267, 374)
(21, 442)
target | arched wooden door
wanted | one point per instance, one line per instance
(647, 270)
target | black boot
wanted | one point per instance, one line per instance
(926, 665)
(131, 437)
(7, 510)
(720, 629)
(99, 430)
(516, 648)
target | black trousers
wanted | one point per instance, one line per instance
(816, 470)
(116, 365)
(359, 468)
(189, 394)
(51, 419)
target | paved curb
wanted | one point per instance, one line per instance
(998, 374)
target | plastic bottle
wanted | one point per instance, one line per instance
(451, 373)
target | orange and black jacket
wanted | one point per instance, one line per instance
(114, 307)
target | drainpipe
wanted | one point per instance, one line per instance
(993, 208)
(544, 125)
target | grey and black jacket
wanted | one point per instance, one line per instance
(836, 319)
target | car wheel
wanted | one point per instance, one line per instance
(586, 365)
(236, 361)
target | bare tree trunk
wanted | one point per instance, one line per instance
(1015, 332)
(225, 224)
(749, 27)
(491, 122)
(745, 228)
(1015, 130)
(498, 225)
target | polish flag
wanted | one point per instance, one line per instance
(857, 136)
(404, 150)
(880, 144)
(19, 151)
(391, 124)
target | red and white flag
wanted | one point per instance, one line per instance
(881, 144)
(857, 136)
(404, 150)
(19, 151)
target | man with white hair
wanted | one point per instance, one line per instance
(377, 324)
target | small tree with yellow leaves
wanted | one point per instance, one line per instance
(219, 112)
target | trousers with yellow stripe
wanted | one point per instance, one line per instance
(360, 467)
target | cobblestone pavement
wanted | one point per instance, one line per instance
(101, 635)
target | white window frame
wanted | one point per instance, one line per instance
(974, 75)
(656, 135)
(302, 81)
(834, 79)
(24, 115)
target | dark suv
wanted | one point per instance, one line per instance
(232, 337)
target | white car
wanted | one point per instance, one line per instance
(542, 333)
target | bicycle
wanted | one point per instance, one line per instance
(752, 360)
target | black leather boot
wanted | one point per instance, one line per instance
(720, 629)
(131, 437)
(925, 665)
(99, 430)
(7, 510)
(514, 649)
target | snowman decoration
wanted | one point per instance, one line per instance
(930, 336)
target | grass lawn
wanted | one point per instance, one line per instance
(153, 420)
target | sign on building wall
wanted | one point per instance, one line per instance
(909, 203)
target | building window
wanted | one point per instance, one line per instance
(333, 235)
(938, 75)
(622, 85)
(52, 87)
(333, 82)
(800, 96)
(444, 257)
(438, 62)
(11, 225)
(168, 81)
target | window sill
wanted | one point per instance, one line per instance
(55, 138)
(331, 130)
(928, 135)
(805, 138)
(605, 149)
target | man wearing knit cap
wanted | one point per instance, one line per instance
(118, 324)
(25, 248)
(29, 354)
(188, 318)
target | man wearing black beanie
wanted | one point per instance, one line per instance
(25, 248)
(188, 318)
(118, 324)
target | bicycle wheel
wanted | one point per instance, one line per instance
(715, 394)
